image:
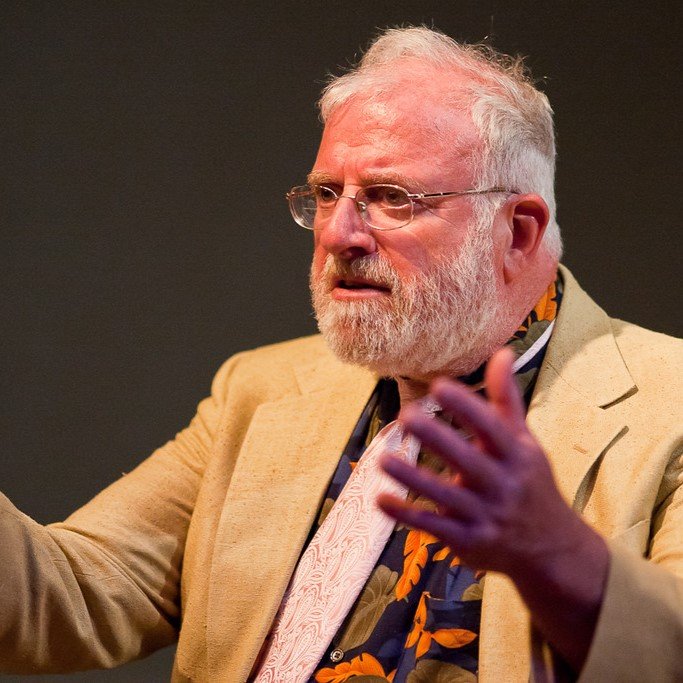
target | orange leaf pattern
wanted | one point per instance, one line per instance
(446, 637)
(363, 665)
(415, 558)
(444, 553)
(453, 637)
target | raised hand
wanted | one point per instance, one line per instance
(501, 509)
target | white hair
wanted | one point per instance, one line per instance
(512, 117)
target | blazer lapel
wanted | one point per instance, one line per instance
(288, 457)
(583, 373)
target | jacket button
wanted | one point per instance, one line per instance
(337, 655)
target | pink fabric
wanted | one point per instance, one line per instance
(336, 565)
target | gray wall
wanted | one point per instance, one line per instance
(146, 149)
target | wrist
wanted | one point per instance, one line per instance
(564, 589)
(573, 564)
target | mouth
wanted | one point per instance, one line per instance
(344, 288)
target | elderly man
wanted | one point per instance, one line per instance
(540, 526)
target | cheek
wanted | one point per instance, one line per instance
(404, 249)
(419, 253)
(318, 259)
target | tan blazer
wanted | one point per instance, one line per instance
(204, 535)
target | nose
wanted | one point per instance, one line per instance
(345, 234)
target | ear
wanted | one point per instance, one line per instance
(528, 217)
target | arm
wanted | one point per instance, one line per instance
(102, 588)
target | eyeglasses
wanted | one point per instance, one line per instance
(382, 207)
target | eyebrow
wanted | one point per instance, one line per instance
(376, 178)
(318, 177)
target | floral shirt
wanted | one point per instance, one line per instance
(417, 618)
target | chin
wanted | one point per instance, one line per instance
(417, 351)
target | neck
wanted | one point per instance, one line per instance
(414, 388)
(411, 389)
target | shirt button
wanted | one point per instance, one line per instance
(337, 655)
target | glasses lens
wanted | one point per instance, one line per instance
(385, 207)
(303, 205)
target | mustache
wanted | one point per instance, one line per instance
(374, 267)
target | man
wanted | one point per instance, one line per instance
(435, 244)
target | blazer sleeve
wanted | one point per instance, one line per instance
(639, 635)
(102, 587)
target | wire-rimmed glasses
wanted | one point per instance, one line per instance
(382, 207)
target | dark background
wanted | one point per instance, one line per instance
(146, 149)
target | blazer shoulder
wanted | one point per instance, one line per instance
(303, 350)
(273, 369)
(648, 352)
(629, 333)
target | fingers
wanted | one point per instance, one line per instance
(454, 499)
(502, 477)
(496, 422)
(478, 472)
(449, 530)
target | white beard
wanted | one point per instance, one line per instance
(443, 321)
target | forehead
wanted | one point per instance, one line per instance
(409, 127)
